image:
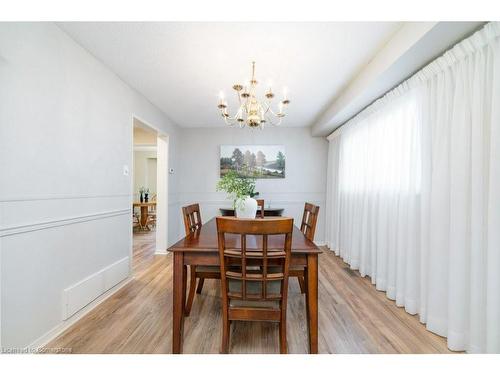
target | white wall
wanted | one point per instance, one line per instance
(145, 165)
(66, 123)
(306, 159)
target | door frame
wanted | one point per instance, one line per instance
(162, 180)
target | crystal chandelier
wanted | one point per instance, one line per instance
(252, 111)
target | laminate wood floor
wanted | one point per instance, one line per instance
(353, 316)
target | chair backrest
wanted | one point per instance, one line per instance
(192, 218)
(254, 265)
(309, 219)
(260, 204)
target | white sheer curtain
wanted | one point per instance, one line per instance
(413, 195)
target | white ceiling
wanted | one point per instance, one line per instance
(181, 67)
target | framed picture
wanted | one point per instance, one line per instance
(265, 161)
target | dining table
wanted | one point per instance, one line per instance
(201, 248)
(268, 211)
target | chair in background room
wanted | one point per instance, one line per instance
(308, 227)
(252, 291)
(152, 214)
(260, 205)
(192, 223)
(136, 220)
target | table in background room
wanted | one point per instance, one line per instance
(144, 211)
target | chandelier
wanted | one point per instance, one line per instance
(252, 111)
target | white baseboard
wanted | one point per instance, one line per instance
(65, 324)
(320, 243)
(161, 252)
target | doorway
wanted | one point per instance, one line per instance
(149, 192)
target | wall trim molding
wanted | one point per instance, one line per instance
(41, 225)
(47, 197)
(65, 324)
(218, 195)
(273, 201)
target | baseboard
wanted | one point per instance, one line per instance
(64, 325)
(320, 243)
(161, 252)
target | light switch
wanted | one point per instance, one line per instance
(125, 170)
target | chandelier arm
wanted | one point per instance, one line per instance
(275, 114)
(232, 120)
(268, 119)
(268, 106)
(229, 122)
(235, 117)
(269, 109)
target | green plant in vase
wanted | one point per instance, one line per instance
(238, 189)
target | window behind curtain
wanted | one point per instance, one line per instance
(382, 152)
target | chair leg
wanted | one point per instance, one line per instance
(302, 284)
(282, 333)
(226, 333)
(200, 285)
(192, 288)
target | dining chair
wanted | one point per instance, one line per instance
(151, 217)
(192, 222)
(136, 220)
(308, 228)
(260, 204)
(250, 289)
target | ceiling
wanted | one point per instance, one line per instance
(181, 67)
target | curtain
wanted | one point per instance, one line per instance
(413, 195)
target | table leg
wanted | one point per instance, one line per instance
(144, 216)
(312, 301)
(178, 301)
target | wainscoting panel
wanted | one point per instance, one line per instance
(53, 267)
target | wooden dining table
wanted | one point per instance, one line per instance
(201, 248)
(268, 211)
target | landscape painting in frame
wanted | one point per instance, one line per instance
(266, 161)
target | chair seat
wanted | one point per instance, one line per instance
(273, 287)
